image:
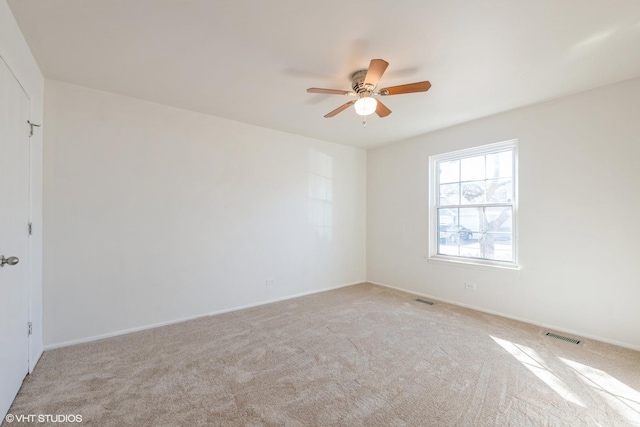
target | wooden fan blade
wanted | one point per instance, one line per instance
(375, 71)
(339, 109)
(408, 88)
(382, 110)
(329, 91)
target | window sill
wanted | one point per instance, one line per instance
(465, 263)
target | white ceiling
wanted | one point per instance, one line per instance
(252, 60)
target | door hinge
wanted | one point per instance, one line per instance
(30, 228)
(30, 325)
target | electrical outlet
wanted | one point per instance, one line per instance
(271, 282)
(470, 285)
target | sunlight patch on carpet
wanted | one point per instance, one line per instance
(534, 363)
(621, 397)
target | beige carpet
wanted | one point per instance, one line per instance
(357, 356)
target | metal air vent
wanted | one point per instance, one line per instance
(563, 338)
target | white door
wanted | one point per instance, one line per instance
(14, 237)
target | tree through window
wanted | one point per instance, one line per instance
(473, 203)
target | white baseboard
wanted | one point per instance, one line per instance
(184, 319)
(509, 316)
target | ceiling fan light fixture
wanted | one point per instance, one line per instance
(365, 105)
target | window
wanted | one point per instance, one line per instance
(473, 205)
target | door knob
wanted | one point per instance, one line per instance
(12, 260)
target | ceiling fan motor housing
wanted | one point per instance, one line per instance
(357, 82)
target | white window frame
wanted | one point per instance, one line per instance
(434, 234)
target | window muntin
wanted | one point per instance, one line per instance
(474, 205)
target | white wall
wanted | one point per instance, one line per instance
(154, 214)
(579, 213)
(16, 53)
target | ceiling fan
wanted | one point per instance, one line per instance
(364, 84)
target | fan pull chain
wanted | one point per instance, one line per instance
(364, 121)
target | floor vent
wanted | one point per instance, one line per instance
(563, 338)
(424, 301)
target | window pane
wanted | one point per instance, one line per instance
(450, 194)
(503, 252)
(471, 250)
(470, 218)
(496, 242)
(458, 232)
(472, 192)
(500, 165)
(447, 248)
(472, 169)
(499, 190)
(447, 239)
(470, 231)
(449, 171)
(447, 220)
(447, 217)
(497, 219)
